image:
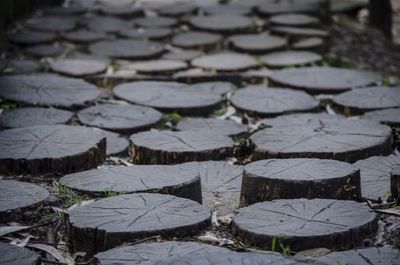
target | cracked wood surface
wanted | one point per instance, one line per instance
(212, 125)
(127, 49)
(14, 255)
(257, 43)
(225, 23)
(389, 117)
(225, 61)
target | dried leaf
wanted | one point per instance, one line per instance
(50, 250)
(4, 230)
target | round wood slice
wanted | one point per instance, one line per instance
(265, 101)
(78, 67)
(45, 50)
(177, 9)
(375, 176)
(309, 178)
(176, 180)
(64, 11)
(148, 253)
(196, 40)
(52, 24)
(31, 37)
(126, 119)
(212, 125)
(304, 224)
(358, 101)
(323, 79)
(154, 22)
(116, 144)
(224, 23)
(184, 55)
(112, 221)
(290, 58)
(234, 258)
(146, 33)
(127, 49)
(48, 90)
(24, 117)
(299, 119)
(168, 97)
(364, 256)
(299, 32)
(23, 66)
(328, 138)
(166, 147)
(159, 66)
(14, 255)
(257, 43)
(50, 148)
(312, 43)
(220, 88)
(225, 61)
(226, 9)
(294, 20)
(16, 196)
(107, 24)
(121, 10)
(84, 36)
(387, 116)
(287, 6)
(220, 182)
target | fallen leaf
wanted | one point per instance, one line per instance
(50, 250)
(4, 230)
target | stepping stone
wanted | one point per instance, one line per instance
(177, 180)
(224, 23)
(31, 37)
(84, 36)
(211, 125)
(125, 119)
(116, 144)
(298, 119)
(269, 8)
(290, 58)
(226, 9)
(305, 224)
(155, 22)
(234, 258)
(312, 43)
(317, 80)
(167, 147)
(107, 24)
(310, 178)
(148, 253)
(24, 117)
(265, 101)
(184, 55)
(196, 40)
(296, 32)
(363, 256)
(78, 67)
(389, 117)
(159, 66)
(130, 217)
(225, 61)
(257, 43)
(52, 24)
(168, 97)
(14, 255)
(177, 9)
(17, 197)
(127, 49)
(64, 11)
(23, 66)
(358, 101)
(48, 90)
(375, 176)
(121, 10)
(146, 33)
(327, 138)
(50, 148)
(216, 87)
(294, 20)
(45, 50)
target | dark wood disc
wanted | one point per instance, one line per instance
(148, 253)
(14, 255)
(23, 66)
(167, 147)
(176, 180)
(154, 22)
(358, 101)
(390, 117)
(84, 36)
(375, 176)
(196, 40)
(257, 43)
(107, 24)
(127, 49)
(48, 90)
(24, 117)
(323, 79)
(78, 67)
(312, 43)
(328, 138)
(296, 32)
(225, 61)
(212, 125)
(288, 6)
(290, 58)
(220, 88)
(146, 33)
(126, 119)
(169, 97)
(16, 196)
(266, 101)
(304, 224)
(52, 24)
(222, 23)
(228, 9)
(158, 66)
(45, 50)
(295, 20)
(31, 37)
(112, 221)
(50, 148)
(309, 178)
(183, 55)
(177, 9)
